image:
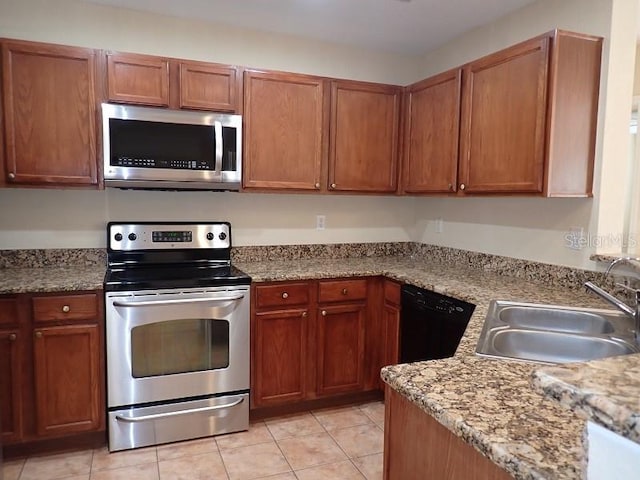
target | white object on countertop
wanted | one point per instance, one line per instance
(611, 456)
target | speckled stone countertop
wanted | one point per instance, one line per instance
(51, 279)
(606, 391)
(489, 403)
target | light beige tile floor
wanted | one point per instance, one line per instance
(335, 444)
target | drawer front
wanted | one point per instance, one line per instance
(65, 307)
(391, 292)
(8, 311)
(282, 295)
(342, 290)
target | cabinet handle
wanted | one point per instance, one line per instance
(324, 313)
(304, 314)
(285, 295)
(317, 185)
(12, 337)
(333, 185)
(38, 334)
(344, 291)
(11, 176)
(462, 187)
(66, 308)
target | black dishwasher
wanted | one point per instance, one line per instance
(431, 324)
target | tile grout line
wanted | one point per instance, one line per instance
(224, 465)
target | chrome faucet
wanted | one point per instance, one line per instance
(633, 312)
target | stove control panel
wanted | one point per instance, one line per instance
(167, 236)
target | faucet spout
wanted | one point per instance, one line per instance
(620, 305)
(610, 298)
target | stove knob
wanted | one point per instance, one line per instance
(209, 236)
(222, 235)
(132, 236)
(117, 237)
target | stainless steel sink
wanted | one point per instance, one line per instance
(554, 334)
(556, 319)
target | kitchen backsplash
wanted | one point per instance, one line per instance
(555, 275)
(54, 257)
(337, 250)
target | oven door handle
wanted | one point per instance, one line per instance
(159, 416)
(177, 301)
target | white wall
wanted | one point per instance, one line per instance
(76, 219)
(536, 229)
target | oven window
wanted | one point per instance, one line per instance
(179, 346)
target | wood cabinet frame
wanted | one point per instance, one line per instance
(43, 418)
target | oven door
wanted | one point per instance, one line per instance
(169, 345)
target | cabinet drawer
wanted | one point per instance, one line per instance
(341, 290)
(8, 311)
(65, 307)
(282, 295)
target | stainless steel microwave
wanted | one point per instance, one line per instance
(152, 148)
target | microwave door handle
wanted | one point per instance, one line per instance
(217, 127)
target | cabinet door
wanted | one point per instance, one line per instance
(67, 379)
(139, 79)
(11, 346)
(432, 130)
(340, 348)
(285, 134)
(364, 137)
(504, 104)
(49, 114)
(206, 86)
(280, 356)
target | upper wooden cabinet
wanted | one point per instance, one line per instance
(432, 117)
(140, 79)
(49, 103)
(298, 137)
(173, 83)
(284, 131)
(503, 120)
(364, 137)
(527, 122)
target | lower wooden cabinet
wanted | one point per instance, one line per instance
(340, 348)
(416, 447)
(67, 379)
(10, 381)
(317, 339)
(51, 366)
(280, 356)
(391, 324)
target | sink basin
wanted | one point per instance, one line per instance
(556, 347)
(554, 333)
(556, 319)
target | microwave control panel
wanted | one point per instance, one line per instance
(158, 163)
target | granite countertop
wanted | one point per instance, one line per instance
(605, 391)
(51, 279)
(488, 403)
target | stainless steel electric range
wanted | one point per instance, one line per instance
(177, 321)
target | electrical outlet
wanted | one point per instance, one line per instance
(320, 222)
(439, 225)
